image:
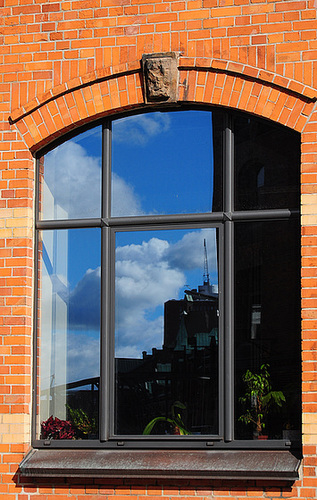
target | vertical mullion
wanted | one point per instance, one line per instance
(221, 329)
(106, 171)
(105, 334)
(35, 371)
(229, 284)
(105, 386)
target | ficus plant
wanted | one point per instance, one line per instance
(259, 398)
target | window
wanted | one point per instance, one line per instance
(168, 269)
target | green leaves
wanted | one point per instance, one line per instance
(174, 425)
(170, 425)
(259, 397)
(274, 397)
(82, 421)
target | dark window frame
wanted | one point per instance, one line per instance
(224, 220)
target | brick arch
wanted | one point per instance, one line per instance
(201, 80)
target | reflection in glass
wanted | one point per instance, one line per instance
(266, 165)
(70, 178)
(267, 321)
(163, 163)
(166, 332)
(69, 323)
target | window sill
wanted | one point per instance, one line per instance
(164, 464)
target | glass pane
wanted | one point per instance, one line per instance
(267, 321)
(70, 178)
(166, 332)
(267, 159)
(69, 325)
(163, 163)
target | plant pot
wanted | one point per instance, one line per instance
(262, 437)
(91, 435)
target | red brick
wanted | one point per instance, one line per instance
(49, 48)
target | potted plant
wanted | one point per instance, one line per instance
(54, 428)
(259, 398)
(79, 426)
(86, 426)
(167, 425)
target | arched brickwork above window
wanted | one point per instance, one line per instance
(201, 80)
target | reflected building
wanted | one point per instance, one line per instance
(193, 320)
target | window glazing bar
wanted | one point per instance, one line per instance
(106, 170)
(106, 344)
(162, 219)
(35, 387)
(221, 330)
(68, 224)
(37, 190)
(228, 334)
(106, 256)
(228, 284)
(262, 214)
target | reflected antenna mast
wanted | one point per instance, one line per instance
(206, 273)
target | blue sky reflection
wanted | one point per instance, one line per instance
(165, 163)
(151, 272)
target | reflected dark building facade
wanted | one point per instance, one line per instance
(175, 387)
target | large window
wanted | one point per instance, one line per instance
(168, 291)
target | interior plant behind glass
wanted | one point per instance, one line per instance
(267, 321)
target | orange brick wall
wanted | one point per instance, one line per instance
(67, 63)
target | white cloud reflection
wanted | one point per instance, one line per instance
(72, 172)
(124, 199)
(73, 179)
(144, 281)
(188, 252)
(139, 129)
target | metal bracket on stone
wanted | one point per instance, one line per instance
(160, 77)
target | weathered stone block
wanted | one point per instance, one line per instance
(160, 77)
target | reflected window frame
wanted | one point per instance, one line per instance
(155, 353)
(225, 220)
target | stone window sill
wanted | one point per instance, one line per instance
(174, 464)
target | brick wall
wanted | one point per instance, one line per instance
(67, 63)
